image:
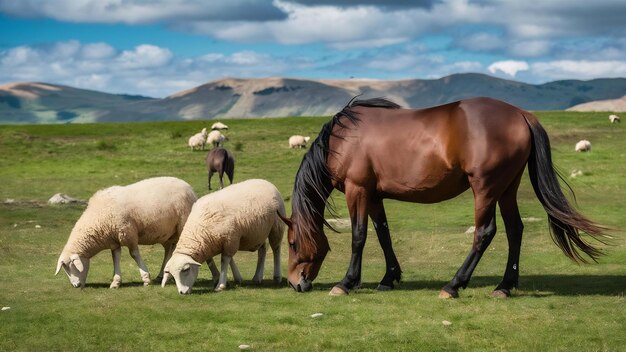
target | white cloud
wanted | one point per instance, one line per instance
(530, 48)
(509, 67)
(146, 69)
(583, 69)
(144, 56)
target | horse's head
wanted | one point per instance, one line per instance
(306, 254)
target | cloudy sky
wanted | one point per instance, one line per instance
(159, 47)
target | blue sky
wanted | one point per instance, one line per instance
(159, 47)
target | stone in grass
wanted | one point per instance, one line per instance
(244, 347)
(446, 323)
(316, 315)
(6, 308)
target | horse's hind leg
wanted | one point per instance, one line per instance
(485, 220)
(392, 271)
(514, 229)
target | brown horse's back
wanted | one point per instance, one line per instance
(430, 155)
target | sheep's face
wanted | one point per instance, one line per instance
(184, 270)
(76, 267)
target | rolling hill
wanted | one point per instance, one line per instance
(275, 97)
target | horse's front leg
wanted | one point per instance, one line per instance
(357, 206)
(392, 271)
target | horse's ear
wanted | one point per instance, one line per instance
(286, 220)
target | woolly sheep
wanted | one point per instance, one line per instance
(583, 146)
(239, 217)
(614, 118)
(219, 126)
(146, 212)
(298, 141)
(215, 138)
(198, 140)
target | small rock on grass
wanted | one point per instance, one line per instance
(316, 315)
(6, 308)
(244, 347)
(446, 323)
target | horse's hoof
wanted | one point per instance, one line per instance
(443, 294)
(502, 293)
(115, 284)
(220, 288)
(382, 287)
(337, 291)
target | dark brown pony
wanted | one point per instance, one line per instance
(221, 161)
(373, 149)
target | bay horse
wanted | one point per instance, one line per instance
(220, 160)
(374, 149)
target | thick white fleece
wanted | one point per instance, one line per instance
(239, 217)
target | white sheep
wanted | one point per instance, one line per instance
(146, 212)
(198, 140)
(239, 217)
(298, 141)
(614, 118)
(219, 126)
(583, 146)
(215, 138)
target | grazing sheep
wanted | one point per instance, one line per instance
(583, 146)
(221, 161)
(614, 118)
(147, 212)
(298, 141)
(198, 140)
(240, 217)
(215, 138)
(219, 126)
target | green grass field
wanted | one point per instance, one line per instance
(559, 306)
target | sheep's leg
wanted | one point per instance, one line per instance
(169, 249)
(117, 270)
(221, 285)
(143, 269)
(278, 276)
(258, 276)
(236, 273)
(214, 272)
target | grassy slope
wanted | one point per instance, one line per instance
(559, 306)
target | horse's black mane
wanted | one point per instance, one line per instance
(313, 180)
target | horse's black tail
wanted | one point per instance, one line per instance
(565, 222)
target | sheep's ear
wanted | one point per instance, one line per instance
(286, 220)
(77, 262)
(166, 278)
(60, 263)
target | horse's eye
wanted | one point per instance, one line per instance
(292, 245)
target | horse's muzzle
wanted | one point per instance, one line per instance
(303, 286)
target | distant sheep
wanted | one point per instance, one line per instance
(219, 126)
(614, 118)
(583, 146)
(221, 161)
(147, 212)
(215, 138)
(239, 217)
(298, 141)
(198, 140)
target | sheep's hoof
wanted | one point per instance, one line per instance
(337, 291)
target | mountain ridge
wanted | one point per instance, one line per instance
(39, 102)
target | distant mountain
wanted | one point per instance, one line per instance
(614, 105)
(50, 103)
(275, 97)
